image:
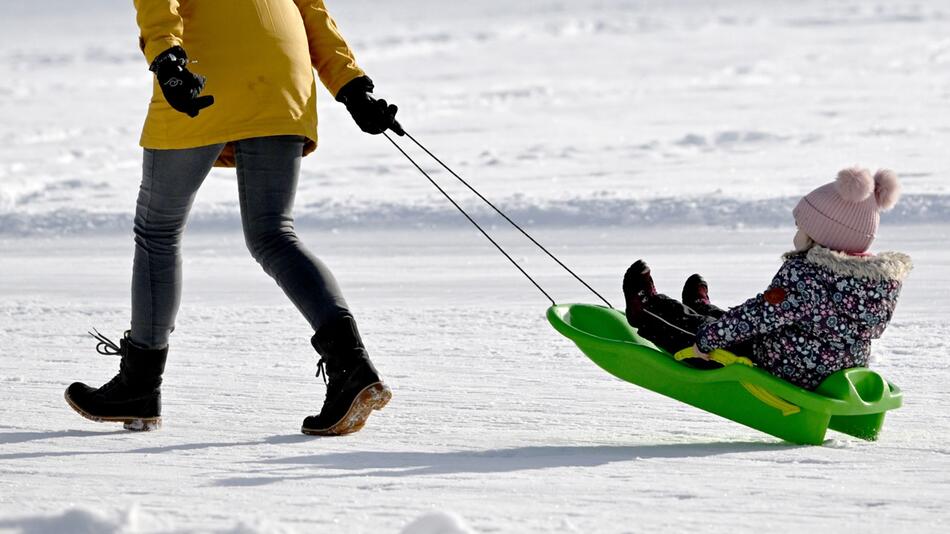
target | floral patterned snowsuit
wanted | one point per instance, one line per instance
(818, 315)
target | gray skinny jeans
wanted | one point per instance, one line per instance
(267, 173)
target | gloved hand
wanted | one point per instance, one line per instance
(371, 115)
(180, 86)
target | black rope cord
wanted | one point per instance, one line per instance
(470, 219)
(671, 325)
(497, 210)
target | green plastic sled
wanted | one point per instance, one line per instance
(852, 401)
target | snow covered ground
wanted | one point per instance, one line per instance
(681, 132)
(495, 417)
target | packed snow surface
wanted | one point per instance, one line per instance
(680, 132)
(495, 417)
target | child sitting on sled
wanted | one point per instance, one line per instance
(829, 299)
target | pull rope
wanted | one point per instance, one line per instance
(513, 223)
(470, 219)
(499, 212)
(669, 324)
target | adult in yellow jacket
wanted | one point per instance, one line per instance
(234, 86)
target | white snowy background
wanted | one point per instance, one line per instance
(678, 131)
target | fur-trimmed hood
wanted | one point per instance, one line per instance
(877, 267)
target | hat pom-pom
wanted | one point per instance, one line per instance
(887, 189)
(854, 184)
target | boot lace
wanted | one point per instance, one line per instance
(106, 346)
(322, 370)
(334, 384)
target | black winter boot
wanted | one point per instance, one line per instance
(354, 388)
(133, 396)
(637, 289)
(695, 291)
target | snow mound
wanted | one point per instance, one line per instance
(258, 526)
(77, 521)
(81, 520)
(438, 523)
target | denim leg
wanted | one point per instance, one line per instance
(268, 169)
(170, 180)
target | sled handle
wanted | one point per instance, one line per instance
(727, 358)
(720, 356)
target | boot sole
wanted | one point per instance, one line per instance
(135, 424)
(373, 397)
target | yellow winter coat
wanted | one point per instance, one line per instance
(258, 57)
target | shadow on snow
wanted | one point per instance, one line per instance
(416, 463)
(402, 464)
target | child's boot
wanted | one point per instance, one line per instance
(354, 388)
(133, 397)
(695, 291)
(637, 289)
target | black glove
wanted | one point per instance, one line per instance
(371, 115)
(180, 86)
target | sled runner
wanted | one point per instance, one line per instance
(851, 401)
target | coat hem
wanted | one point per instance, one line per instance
(226, 159)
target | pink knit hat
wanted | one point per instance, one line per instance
(844, 215)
